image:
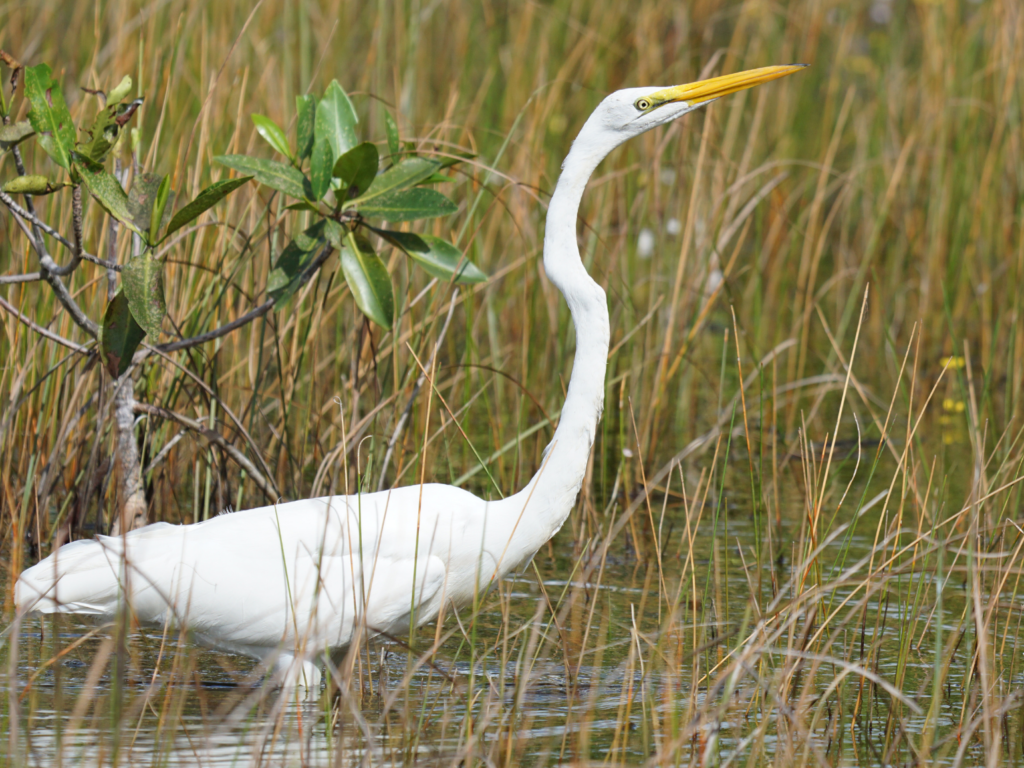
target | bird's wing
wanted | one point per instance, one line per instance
(402, 589)
(333, 595)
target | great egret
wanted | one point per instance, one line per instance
(291, 581)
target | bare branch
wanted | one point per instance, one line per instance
(131, 491)
(29, 215)
(245, 319)
(29, 277)
(266, 485)
(46, 260)
(69, 303)
(220, 403)
(166, 450)
(54, 281)
(216, 333)
(43, 331)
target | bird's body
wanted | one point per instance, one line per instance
(296, 578)
(286, 582)
(290, 581)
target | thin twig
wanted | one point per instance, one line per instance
(245, 319)
(68, 302)
(78, 253)
(265, 484)
(455, 421)
(53, 280)
(43, 331)
(209, 391)
(216, 333)
(404, 418)
(162, 454)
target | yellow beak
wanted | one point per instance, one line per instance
(716, 87)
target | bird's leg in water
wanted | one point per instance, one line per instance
(294, 672)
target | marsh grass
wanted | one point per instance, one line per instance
(798, 542)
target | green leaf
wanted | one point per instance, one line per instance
(121, 335)
(106, 129)
(142, 197)
(120, 90)
(320, 166)
(357, 168)
(438, 257)
(205, 200)
(284, 278)
(305, 106)
(276, 175)
(302, 206)
(156, 218)
(143, 279)
(12, 135)
(106, 189)
(369, 281)
(49, 114)
(335, 233)
(102, 136)
(407, 173)
(336, 120)
(30, 185)
(273, 134)
(391, 129)
(409, 205)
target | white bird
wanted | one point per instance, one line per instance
(287, 583)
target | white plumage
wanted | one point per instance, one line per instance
(290, 581)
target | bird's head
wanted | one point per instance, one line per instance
(632, 111)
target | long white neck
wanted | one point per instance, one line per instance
(542, 506)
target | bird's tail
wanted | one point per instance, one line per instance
(81, 577)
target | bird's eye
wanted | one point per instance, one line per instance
(642, 104)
